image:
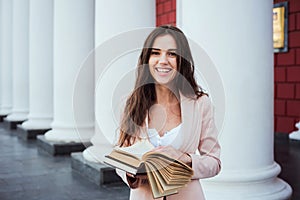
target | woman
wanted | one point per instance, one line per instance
(169, 109)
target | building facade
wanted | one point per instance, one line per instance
(65, 65)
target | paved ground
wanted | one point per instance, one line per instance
(26, 173)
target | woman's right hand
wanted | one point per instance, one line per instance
(134, 181)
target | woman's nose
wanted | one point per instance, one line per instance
(163, 59)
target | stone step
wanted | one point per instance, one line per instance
(98, 173)
(59, 148)
(11, 125)
(30, 134)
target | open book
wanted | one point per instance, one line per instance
(165, 175)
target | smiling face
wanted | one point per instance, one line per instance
(163, 59)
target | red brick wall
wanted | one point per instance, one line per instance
(287, 75)
(165, 12)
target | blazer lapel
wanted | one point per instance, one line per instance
(187, 117)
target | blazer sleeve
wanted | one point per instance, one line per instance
(208, 163)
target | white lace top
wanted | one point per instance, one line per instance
(171, 137)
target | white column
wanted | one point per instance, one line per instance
(6, 57)
(73, 40)
(237, 35)
(20, 56)
(110, 23)
(40, 65)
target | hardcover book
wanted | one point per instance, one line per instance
(165, 174)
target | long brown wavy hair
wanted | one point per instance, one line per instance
(144, 95)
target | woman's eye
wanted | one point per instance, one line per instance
(172, 54)
(154, 53)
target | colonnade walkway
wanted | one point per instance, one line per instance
(28, 173)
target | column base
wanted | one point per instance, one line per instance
(275, 189)
(37, 124)
(11, 125)
(98, 173)
(17, 116)
(251, 184)
(69, 135)
(29, 134)
(96, 153)
(59, 148)
(5, 110)
(296, 134)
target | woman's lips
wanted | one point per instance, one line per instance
(163, 70)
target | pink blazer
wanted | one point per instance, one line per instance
(200, 133)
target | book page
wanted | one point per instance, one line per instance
(171, 175)
(128, 158)
(125, 158)
(163, 186)
(154, 187)
(138, 149)
(120, 165)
